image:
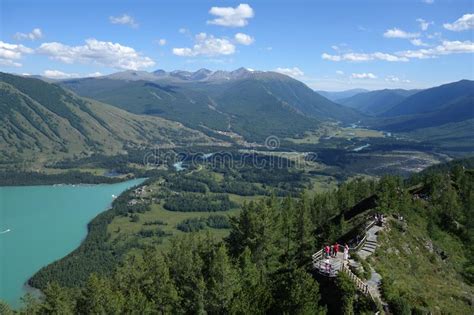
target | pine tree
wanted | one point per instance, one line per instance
(98, 297)
(31, 305)
(56, 300)
(158, 285)
(5, 309)
(302, 232)
(222, 283)
(348, 293)
(295, 292)
(186, 270)
(253, 296)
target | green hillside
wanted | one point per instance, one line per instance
(457, 110)
(338, 95)
(376, 102)
(41, 121)
(424, 254)
(434, 99)
(165, 99)
(252, 104)
(440, 115)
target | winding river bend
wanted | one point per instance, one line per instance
(40, 224)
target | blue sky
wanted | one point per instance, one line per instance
(330, 45)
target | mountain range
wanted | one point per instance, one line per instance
(39, 119)
(447, 104)
(134, 108)
(446, 107)
(338, 95)
(376, 102)
(253, 104)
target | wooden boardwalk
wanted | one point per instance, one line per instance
(331, 266)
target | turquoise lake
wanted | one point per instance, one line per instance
(40, 224)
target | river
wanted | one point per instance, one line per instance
(40, 224)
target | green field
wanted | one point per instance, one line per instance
(327, 131)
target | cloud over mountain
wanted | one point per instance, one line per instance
(97, 52)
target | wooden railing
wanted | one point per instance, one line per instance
(329, 269)
(362, 241)
(317, 256)
(360, 285)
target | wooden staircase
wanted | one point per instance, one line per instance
(330, 267)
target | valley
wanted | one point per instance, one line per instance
(255, 158)
(207, 154)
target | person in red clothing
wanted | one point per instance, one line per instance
(326, 250)
(336, 249)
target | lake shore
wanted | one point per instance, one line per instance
(35, 236)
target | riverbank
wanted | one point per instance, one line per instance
(91, 256)
(47, 223)
(31, 178)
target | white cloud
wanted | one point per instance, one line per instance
(363, 75)
(206, 45)
(95, 74)
(327, 56)
(10, 54)
(292, 72)
(340, 72)
(434, 35)
(244, 39)
(124, 19)
(417, 42)
(464, 23)
(392, 78)
(428, 1)
(446, 48)
(395, 79)
(33, 35)
(398, 33)
(97, 52)
(9, 63)
(232, 17)
(359, 57)
(183, 30)
(424, 24)
(162, 42)
(56, 74)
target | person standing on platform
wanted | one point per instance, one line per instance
(346, 252)
(326, 250)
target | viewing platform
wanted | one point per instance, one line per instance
(330, 266)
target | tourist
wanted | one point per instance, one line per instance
(332, 250)
(326, 250)
(346, 252)
(336, 249)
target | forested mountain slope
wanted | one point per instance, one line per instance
(254, 104)
(376, 102)
(435, 99)
(39, 119)
(335, 96)
(425, 255)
